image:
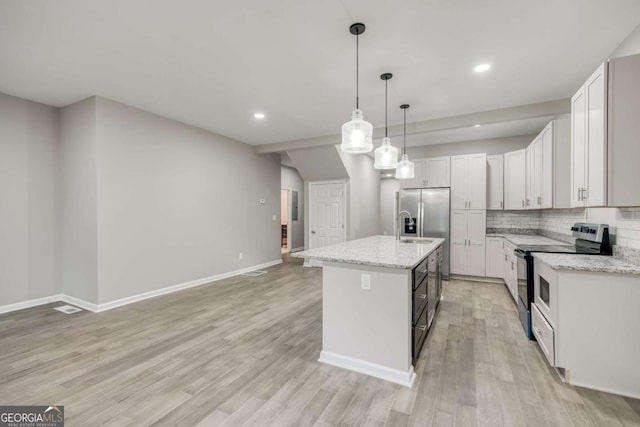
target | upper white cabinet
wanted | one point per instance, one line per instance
(469, 181)
(495, 182)
(589, 141)
(538, 177)
(514, 180)
(437, 172)
(429, 173)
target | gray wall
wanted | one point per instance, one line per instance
(290, 178)
(318, 163)
(630, 45)
(489, 146)
(29, 263)
(388, 189)
(177, 203)
(363, 195)
(79, 204)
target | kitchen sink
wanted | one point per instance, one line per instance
(417, 240)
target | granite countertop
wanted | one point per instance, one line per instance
(379, 251)
(528, 239)
(593, 263)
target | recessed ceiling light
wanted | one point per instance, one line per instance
(476, 125)
(482, 67)
(259, 115)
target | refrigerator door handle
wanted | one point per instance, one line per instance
(421, 218)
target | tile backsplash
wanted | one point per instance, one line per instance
(624, 223)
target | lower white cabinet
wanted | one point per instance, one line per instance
(511, 270)
(494, 257)
(468, 232)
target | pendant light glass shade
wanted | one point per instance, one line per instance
(357, 135)
(386, 155)
(405, 168)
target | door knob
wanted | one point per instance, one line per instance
(313, 231)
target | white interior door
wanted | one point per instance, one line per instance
(326, 219)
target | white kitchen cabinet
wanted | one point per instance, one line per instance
(514, 180)
(437, 171)
(469, 181)
(589, 141)
(494, 258)
(511, 270)
(468, 231)
(429, 173)
(529, 176)
(495, 182)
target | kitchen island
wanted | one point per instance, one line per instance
(379, 297)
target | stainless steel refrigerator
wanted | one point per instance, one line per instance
(429, 208)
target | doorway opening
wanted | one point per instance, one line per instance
(285, 220)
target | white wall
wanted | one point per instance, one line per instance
(363, 196)
(177, 203)
(290, 178)
(29, 263)
(78, 201)
(629, 46)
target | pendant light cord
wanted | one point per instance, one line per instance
(386, 109)
(404, 145)
(357, 72)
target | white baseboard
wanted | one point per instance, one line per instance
(405, 378)
(297, 249)
(85, 305)
(476, 278)
(97, 308)
(198, 282)
(607, 390)
(28, 304)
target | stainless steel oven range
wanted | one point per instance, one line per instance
(591, 239)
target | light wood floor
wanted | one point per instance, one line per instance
(243, 352)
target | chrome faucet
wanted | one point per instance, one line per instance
(411, 222)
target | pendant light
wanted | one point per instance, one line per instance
(405, 167)
(386, 154)
(357, 135)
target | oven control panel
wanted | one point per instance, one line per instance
(591, 232)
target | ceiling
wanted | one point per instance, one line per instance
(213, 64)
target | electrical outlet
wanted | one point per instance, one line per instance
(365, 282)
(274, 217)
(240, 255)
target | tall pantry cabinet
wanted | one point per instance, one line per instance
(468, 214)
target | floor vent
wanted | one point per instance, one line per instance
(255, 273)
(68, 309)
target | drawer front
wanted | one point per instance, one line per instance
(543, 333)
(420, 272)
(419, 334)
(419, 300)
